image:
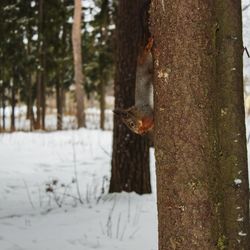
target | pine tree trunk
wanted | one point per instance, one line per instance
(43, 87)
(13, 105)
(102, 105)
(2, 93)
(59, 104)
(42, 62)
(77, 53)
(29, 83)
(30, 102)
(3, 108)
(38, 101)
(231, 125)
(39, 90)
(130, 158)
(185, 133)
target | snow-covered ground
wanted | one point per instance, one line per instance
(40, 206)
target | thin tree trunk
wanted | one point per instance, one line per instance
(43, 88)
(102, 105)
(38, 101)
(77, 54)
(3, 108)
(185, 133)
(59, 104)
(43, 72)
(130, 158)
(28, 109)
(30, 103)
(2, 94)
(13, 105)
(231, 125)
(29, 83)
(39, 94)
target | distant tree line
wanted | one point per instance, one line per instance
(36, 55)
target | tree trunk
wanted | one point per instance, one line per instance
(43, 87)
(130, 158)
(185, 132)
(30, 102)
(42, 62)
(13, 105)
(39, 90)
(231, 125)
(29, 99)
(3, 108)
(102, 105)
(59, 104)
(77, 54)
(38, 100)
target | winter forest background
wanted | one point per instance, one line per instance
(55, 170)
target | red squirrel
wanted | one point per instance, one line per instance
(140, 118)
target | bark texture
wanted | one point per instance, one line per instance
(77, 54)
(231, 125)
(130, 159)
(185, 134)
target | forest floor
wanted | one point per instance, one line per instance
(42, 209)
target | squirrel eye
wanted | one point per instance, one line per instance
(131, 124)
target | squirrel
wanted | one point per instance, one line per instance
(140, 118)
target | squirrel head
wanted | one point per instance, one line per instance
(137, 121)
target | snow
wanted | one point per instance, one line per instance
(237, 181)
(242, 234)
(30, 217)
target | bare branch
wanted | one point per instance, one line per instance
(246, 7)
(246, 50)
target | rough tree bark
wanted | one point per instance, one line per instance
(231, 125)
(77, 54)
(130, 158)
(185, 134)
